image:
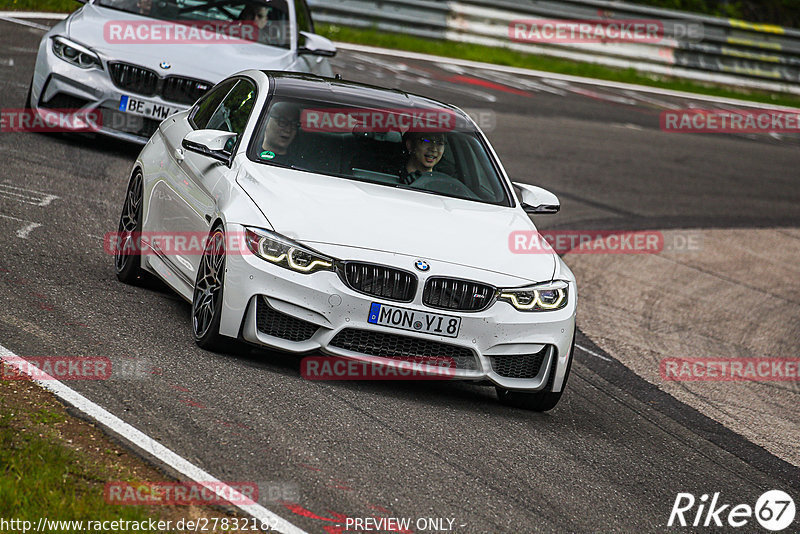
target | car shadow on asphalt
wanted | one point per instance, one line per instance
(455, 394)
(99, 144)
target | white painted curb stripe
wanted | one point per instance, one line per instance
(23, 22)
(8, 16)
(152, 447)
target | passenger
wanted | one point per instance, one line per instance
(424, 151)
(270, 24)
(258, 16)
(280, 131)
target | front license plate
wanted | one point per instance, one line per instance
(145, 108)
(416, 321)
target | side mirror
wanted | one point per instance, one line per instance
(537, 200)
(211, 143)
(311, 43)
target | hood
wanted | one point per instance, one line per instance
(315, 209)
(210, 61)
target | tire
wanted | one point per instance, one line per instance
(208, 292)
(30, 93)
(538, 401)
(127, 253)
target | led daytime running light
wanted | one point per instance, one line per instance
(530, 299)
(310, 266)
(265, 244)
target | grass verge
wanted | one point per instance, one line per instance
(55, 466)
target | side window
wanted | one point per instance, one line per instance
(205, 108)
(479, 173)
(303, 16)
(232, 114)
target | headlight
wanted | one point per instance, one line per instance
(78, 55)
(282, 251)
(543, 297)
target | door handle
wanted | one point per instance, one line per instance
(179, 156)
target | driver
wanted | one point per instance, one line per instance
(425, 150)
(280, 131)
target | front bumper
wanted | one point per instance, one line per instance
(322, 315)
(57, 84)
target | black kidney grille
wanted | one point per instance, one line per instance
(454, 294)
(404, 348)
(519, 365)
(380, 281)
(134, 79)
(183, 90)
(146, 82)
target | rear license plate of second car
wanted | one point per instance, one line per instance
(413, 320)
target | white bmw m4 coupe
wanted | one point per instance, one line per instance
(320, 216)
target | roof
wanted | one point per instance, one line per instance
(337, 91)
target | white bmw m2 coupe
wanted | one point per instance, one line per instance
(315, 215)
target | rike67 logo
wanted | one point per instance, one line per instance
(774, 511)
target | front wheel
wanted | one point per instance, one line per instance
(537, 401)
(208, 290)
(127, 250)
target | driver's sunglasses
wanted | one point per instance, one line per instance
(286, 123)
(261, 15)
(436, 142)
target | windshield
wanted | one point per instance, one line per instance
(262, 21)
(433, 150)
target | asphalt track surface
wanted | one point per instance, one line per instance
(611, 457)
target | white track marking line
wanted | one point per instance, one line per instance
(593, 353)
(450, 86)
(23, 232)
(519, 83)
(41, 198)
(6, 62)
(24, 22)
(34, 15)
(654, 101)
(149, 445)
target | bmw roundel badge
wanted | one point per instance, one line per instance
(164, 65)
(422, 265)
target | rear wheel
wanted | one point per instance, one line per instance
(537, 401)
(127, 249)
(208, 290)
